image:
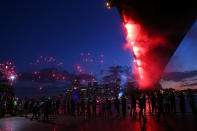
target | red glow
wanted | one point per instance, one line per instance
(139, 42)
(40, 88)
(63, 78)
(97, 101)
(53, 75)
(79, 68)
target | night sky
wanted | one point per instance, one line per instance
(185, 57)
(64, 29)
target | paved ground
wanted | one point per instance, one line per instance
(114, 123)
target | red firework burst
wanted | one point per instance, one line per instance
(8, 71)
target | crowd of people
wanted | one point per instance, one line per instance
(137, 105)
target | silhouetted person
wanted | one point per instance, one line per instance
(182, 102)
(68, 107)
(144, 102)
(38, 110)
(10, 106)
(192, 101)
(133, 105)
(141, 107)
(109, 107)
(160, 107)
(153, 102)
(94, 107)
(46, 112)
(149, 104)
(82, 107)
(117, 105)
(35, 111)
(89, 108)
(78, 108)
(166, 102)
(173, 102)
(26, 109)
(72, 103)
(64, 108)
(124, 104)
(103, 104)
(57, 106)
(2, 108)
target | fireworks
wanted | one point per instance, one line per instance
(89, 58)
(92, 59)
(90, 62)
(49, 71)
(48, 75)
(87, 64)
(79, 68)
(40, 88)
(84, 81)
(8, 71)
(43, 60)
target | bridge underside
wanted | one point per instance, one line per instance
(154, 31)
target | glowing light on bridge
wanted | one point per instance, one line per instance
(140, 44)
(132, 30)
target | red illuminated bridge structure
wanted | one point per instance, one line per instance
(154, 29)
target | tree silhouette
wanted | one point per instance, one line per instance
(114, 73)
